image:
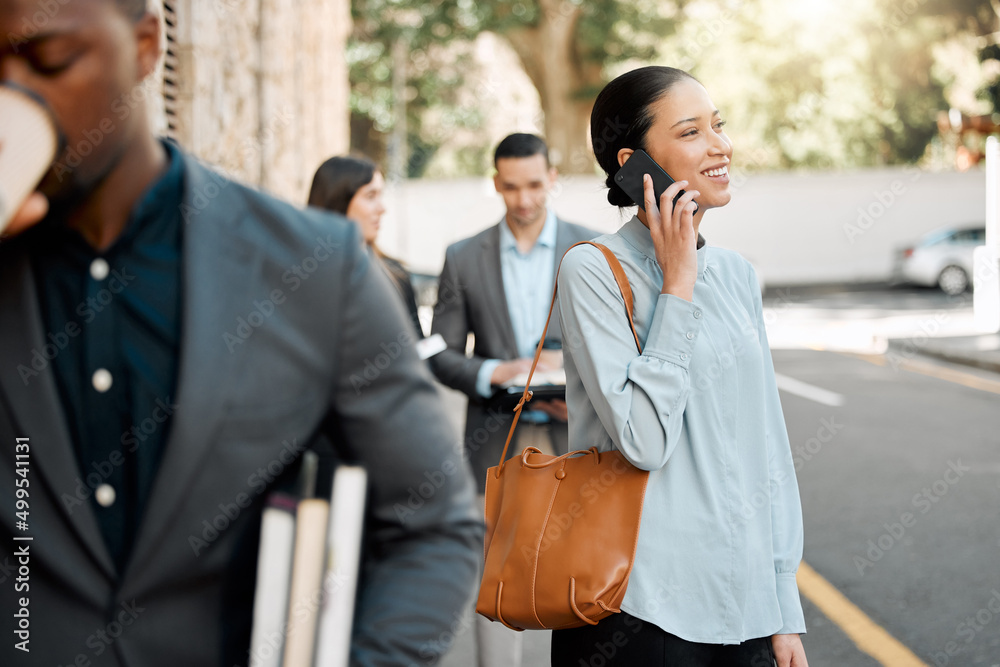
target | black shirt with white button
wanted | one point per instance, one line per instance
(113, 319)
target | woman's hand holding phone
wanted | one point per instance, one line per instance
(674, 238)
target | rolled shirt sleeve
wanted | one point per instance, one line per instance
(484, 385)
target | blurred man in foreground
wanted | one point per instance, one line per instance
(171, 343)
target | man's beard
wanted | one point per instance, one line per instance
(67, 193)
(531, 219)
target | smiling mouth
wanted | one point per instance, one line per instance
(721, 171)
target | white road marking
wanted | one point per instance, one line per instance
(808, 391)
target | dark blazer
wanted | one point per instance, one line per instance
(331, 368)
(471, 299)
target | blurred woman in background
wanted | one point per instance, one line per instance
(353, 187)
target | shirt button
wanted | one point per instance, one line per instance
(684, 356)
(105, 495)
(690, 336)
(99, 269)
(102, 380)
(697, 314)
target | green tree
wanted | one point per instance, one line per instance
(818, 84)
(434, 37)
(564, 46)
(980, 18)
(807, 83)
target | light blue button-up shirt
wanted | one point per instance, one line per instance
(720, 538)
(527, 284)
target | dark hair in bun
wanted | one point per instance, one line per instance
(622, 117)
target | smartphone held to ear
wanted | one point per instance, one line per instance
(29, 140)
(630, 179)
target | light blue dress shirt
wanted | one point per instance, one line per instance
(527, 284)
(720, 538)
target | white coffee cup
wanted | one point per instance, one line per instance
(29, 140)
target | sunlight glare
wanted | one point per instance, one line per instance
(812, 10)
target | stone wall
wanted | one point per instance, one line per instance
(261, 86)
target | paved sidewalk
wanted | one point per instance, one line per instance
(462, 637)
(849, 313)
(977, 351)
(463, 652)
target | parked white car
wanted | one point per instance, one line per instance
(942, 258)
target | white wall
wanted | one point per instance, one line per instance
(796, 228)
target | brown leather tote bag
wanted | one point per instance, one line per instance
(561, 531)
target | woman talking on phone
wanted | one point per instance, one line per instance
(720, 538)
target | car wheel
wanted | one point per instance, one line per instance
(953, 280)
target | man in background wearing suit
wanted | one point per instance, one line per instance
(497, 285)
(171, 343)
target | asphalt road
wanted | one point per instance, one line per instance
(901, 505)
(899, 472)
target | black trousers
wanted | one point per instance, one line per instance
(621, 640)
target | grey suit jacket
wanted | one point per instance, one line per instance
(471, 299)
(331, 367)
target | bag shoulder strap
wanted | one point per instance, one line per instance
(626, 291)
